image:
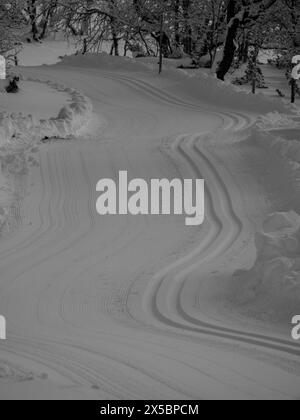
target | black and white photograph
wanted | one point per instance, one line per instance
(149, 203)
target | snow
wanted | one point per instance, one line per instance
(275, 80)
(277, 121)
(281, 134)
(48, 52)
(69, 121)
(104, 61)
(52, 50)
(20, 131)
(273, 284)
(126, 307)
(32, 98)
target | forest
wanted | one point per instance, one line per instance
(199, 29)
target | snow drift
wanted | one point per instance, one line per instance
(69, 122)
(227, 95)
(272, 130)
(104, 61)
(290, 149)
(19, 133)
(200, 85)
(275, 121)
(274, 281)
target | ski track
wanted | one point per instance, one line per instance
(135, 337)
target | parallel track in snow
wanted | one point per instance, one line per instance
(226, 228)
(104, 339)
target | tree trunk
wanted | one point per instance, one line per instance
(229, 50)
(48, 15)
(176, 24)
(86, 20)
(115, 46)
(163, 40)
(187, 40)
(114, 28)
(229, 47)
(244, 49)
(293, 91)
(234, 22)
(32, 10)
(85, 46)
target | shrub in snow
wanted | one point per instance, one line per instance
(13, 85)
(250, 74)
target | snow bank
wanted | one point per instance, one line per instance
(274, 280)
(277, 121)
(55, 46)
(272, 130)
(225, 94)
(69, 122)
(198, 84)
(19, 133)
(4, 214)
(270, 290)
(104, 61)
(47, 52)
(31, 100)
(290, 149)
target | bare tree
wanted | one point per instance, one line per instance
(239, 13)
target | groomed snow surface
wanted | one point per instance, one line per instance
(69, 120)
(20, 131)
(130, 307)
(273, 284)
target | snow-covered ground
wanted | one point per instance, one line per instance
(34, 98)
(48, 52)
(273, 284)
(275, 80)
(51, 50)
(140, 307)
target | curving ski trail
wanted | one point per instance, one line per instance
(102, 306)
